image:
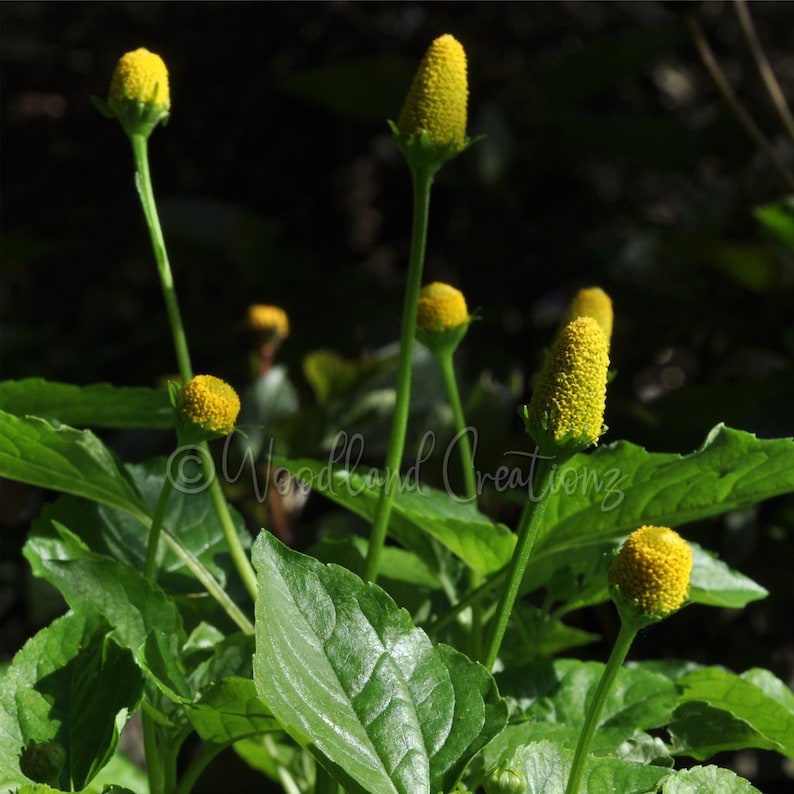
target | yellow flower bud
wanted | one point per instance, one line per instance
(140, 76)
(210, 403)
(272, 319)
(567, 407)
(441, 308)
(139, 96)
(436, 102)
(652, 570)
(591, 302)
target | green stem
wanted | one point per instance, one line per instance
(469, 483)
(155, 760)
(461, 429)
(626, 635)
(211, 585)
(153, 541)
(146, 193)
(422, 182)
(529, 524)
(197, 766)
(239, 556)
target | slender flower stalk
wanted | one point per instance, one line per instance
(442, 321)
(431, 130)
(529, 524)
(422, 181)
(649, 580)
(139, 98)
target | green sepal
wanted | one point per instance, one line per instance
(422, 154)
(560, 449)
(443, 342)
(135, 117)
(631, 614)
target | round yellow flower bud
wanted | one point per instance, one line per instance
(652, 569)
(140, 76)
(262, 318)
(210, 403)
(441, 308)
(567, 406)
(436, 101)
(591, 302)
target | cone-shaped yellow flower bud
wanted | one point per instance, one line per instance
(591, 302)
(432, 124)
(436, 102)
(441, 308)
(267, 319)
(209, 403)
(139, 95)
(442, 318)
(566, 412)
(652, 570)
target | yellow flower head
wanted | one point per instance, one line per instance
(441, 308)
(140, 76)
(436, 102)
(210, 403)
(591, 302)
(652, 569)
(267, 319)
(567, 406)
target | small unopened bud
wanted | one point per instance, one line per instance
(591, 302)
(208, 404)
(652, 570)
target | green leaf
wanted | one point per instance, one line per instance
(725, 711)
(97, 405)
(230, 711)
(482, 544)
(778, 220)
(701, 779)
(715, 584)
(132, 605)
(621, 486)
(64, 459)
(72, 684)
(350, 678)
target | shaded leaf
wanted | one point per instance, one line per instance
(97, 405)
(64, 459)
(462, 528)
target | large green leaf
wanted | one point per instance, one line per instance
(132, 605)
(461, 527)
(97, 405)
(229, 711)
(349, 677)
(73, 684)
(64, 459)
(700, 779)
(622, 486)
(725, 711)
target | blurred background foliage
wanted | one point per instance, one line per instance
(609, 159)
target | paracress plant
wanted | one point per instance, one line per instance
(301, 663)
